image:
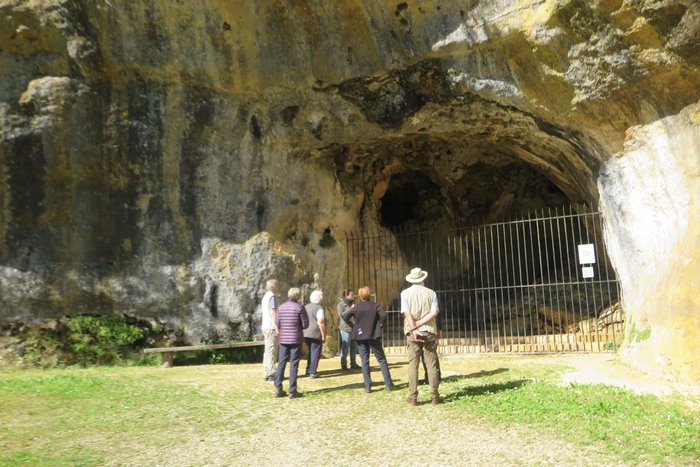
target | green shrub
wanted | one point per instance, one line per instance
(101, 339)
(327, 240)
(38, 347)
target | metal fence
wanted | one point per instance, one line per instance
(538, 284)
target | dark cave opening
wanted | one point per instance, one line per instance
(485, 193)
(409, 199)
(493, 274)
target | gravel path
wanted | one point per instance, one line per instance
(354, 428)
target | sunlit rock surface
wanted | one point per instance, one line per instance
(163, 159)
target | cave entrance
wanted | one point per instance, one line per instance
(412, 199)
(541, 283)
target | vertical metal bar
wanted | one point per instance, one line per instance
(555, 325)
(491, 277)
(476, 283)
(562, 287)
(348, 263)
(372, 263)
(569, 278)
(501, 283)
(448, 314)
(450, 277)
(383, 288)
(513, 288)
(379, 271)
(541, 272)
(521, 287)
(581, 282)
(355, 259)
(396, 277)
(510, 280)
(596, 286)
(482, 288)
(585, 330)
(531, 287)
(465, 309)
(469, 278)
(551, 276)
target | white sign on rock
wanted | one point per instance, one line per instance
(587, 272)
(586, 254)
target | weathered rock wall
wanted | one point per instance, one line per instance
(163, 159)
(651, 194)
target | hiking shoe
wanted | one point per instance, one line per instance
(269, 378)
(280, 393)
(295, 395)
(412, 400)
(436, 400)
(368, 389)
(313, 375)
(355, 367)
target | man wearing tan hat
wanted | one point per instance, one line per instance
(419, 306)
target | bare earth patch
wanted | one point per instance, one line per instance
(608, 369)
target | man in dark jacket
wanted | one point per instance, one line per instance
(367, 331)
(291, 320)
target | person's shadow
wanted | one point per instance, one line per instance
(373, 368)
(377, 386)
(486, 389)
(478, 374)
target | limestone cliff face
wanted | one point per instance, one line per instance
(163, 159)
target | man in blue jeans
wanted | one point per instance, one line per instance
(346, 342)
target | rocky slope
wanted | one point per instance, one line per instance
(163, 159)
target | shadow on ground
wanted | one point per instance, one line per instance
(373, 368)
(377, 386)
(478, 374)
(486, 389)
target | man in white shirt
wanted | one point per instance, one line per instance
(269, 330)
(419, 306)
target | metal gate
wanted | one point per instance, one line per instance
(542, 283)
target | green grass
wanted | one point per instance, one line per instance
(50, 417)
(143, 415)
(634, 427)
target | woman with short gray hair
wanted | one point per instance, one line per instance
(315, 334)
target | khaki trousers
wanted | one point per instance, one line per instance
(271, 351)
(415, 351)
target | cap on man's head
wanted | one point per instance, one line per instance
(416, 276)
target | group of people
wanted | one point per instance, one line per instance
(286, 326)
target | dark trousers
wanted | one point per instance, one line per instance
(314, 355)
(288, 353)
(375, 345)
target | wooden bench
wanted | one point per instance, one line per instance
(167, 352)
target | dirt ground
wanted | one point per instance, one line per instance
(608, 369)
(353, 428)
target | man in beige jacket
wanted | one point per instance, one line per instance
(419, 305)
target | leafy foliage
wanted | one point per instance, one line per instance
(327, 240)
(101, 339)
(84, 340)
